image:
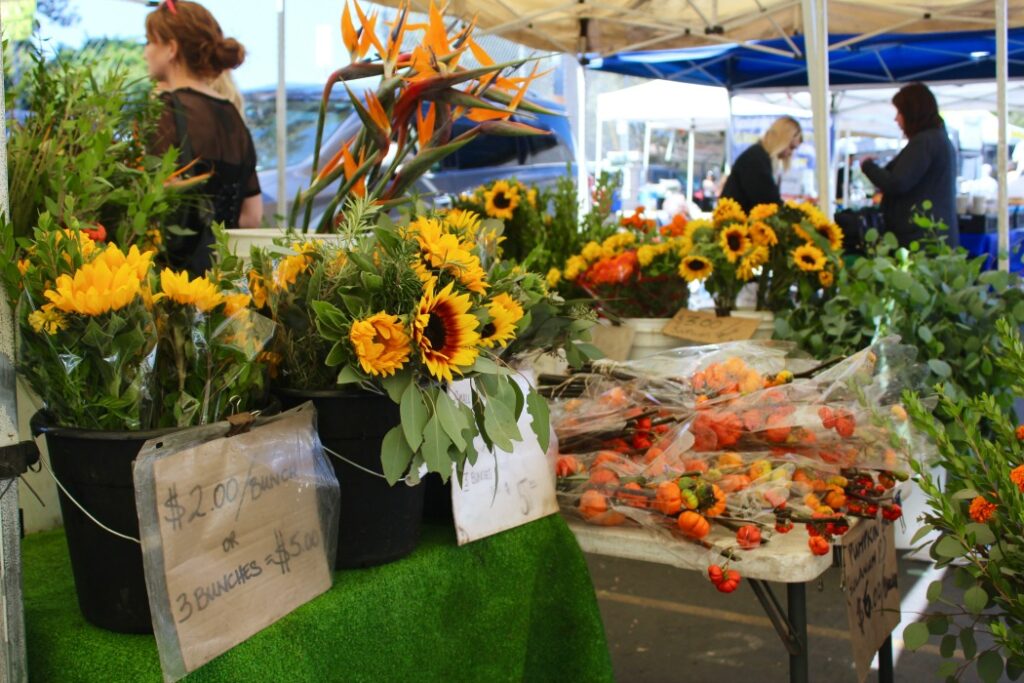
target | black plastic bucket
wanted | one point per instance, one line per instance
(377, 523)
(96, 469)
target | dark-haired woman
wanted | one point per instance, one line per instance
(924, 171)
(186, 50)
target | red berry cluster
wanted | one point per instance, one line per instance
(840, 419)
(725, 580)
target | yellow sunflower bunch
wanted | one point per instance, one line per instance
(442, 250)
(728, 211)
(108, 283)
(501, 199)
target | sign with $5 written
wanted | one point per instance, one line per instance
(236, 532)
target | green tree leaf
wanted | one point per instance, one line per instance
(934, 591)
(990, 666)
(968, 643)
(395, 455)
(451, 419)
(940, 368)
(537, 406)
(435, 448)
(975, 599)
(915, 635)
(414, 416)
(983, 534)
(948, 547)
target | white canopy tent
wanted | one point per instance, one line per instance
(680, 106)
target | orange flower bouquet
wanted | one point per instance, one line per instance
(632, 274)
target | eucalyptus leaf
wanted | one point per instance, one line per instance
(435, 448)
(451, 419)
(975, 599)
(395, 455)
(414, 416)
(915, 635)
(541, 424)
(990, 666)
(949, 547)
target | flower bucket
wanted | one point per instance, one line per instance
(377, 523)
(649, 339)
(96, 469)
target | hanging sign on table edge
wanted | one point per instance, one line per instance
(870, 576)
(614, 341)
(237, 531)
(503, 490)
(706, 327)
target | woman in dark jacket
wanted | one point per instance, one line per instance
(924, 171)
(754, 176)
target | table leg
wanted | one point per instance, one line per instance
(796, 598)
(885, 671)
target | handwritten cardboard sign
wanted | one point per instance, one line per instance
(236, 533)
(705, 327)
(614, 341)
(870, 577)
(503, 490)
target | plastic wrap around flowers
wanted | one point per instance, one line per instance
(744, 436)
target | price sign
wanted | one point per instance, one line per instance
(705, 327)
(503, 490)
(870, 576)
(236, 532)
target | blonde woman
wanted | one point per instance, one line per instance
(755, 174)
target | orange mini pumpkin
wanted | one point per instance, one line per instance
(693, 525)
(593, 507)
(568, 465)
(602, 476)
(719, 506)
(603, 457)
(632, 494)
(668, 499)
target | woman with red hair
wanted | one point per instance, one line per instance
(186, 50)
(922, 174)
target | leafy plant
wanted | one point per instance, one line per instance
(527, 237)
(933, 297)
(979, 514)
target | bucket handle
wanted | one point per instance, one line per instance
(342, 458)
(84, 511)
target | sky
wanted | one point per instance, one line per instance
(312, 34)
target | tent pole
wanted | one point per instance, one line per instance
(12, 617)
(847, 172)
(729, 134)
(690, 145)
(645, 162)
(282, 123)
(575, 94)
(1002, 161)
(816, 53)
(598, 143)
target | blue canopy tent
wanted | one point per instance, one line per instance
(879, 60)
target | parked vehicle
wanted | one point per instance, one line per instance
(535, 160)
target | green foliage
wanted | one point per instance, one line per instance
(984, 461)
(79, 151)
(934, 297)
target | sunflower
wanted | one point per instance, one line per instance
(47, 319)
(646, 254)
(694, 268)
(236, 303)
(531, 197)
(381, 344)
(574, 267)
(763, 212)
(505, 313)
(833, 233)
(808, 258)
(762, 234)
(501, 200)
(96, 289)
(444, 332)
(289, 269)
(442, 250)
(755, 259)
(826, 278)
(258, 289)
(735, 241)
(200, 292)
(464, 223)
(593, 251)
(728, 211)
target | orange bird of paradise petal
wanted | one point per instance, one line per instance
(377, 113)
(425, 125)
(349, 35)
(359, 188)
(368, 35)
(481, 115)
(436, 37)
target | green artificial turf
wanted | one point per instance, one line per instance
(518, 606)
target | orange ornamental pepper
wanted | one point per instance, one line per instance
(667, 498)
(693, 525)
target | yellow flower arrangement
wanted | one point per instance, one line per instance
(735, 241)
(762, 234)
(505, 313)
(95, 289)
(728, 211)
(695, 268)
(826, 278)
(381, 344)
(553, 277)
(47, 320)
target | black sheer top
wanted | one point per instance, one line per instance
(214, 134)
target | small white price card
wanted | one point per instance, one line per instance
(236, 531)
(503, 490)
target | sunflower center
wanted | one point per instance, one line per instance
(735, 241)
(488, 331)
(435, 332)
(808, 259)
(694, 265)
(501, 200)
